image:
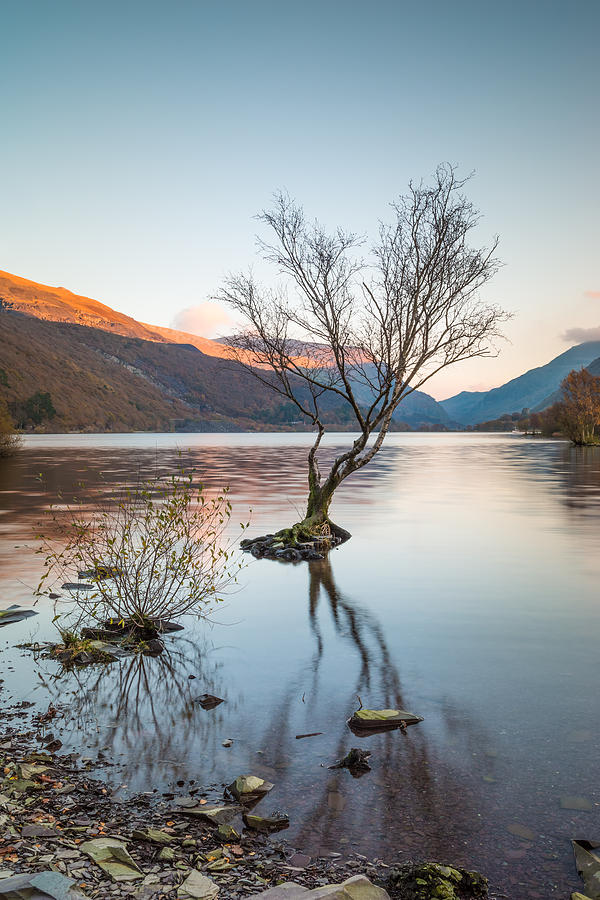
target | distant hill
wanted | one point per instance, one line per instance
(107, 371)
(417, 409)
(555, 396)
(527, 391)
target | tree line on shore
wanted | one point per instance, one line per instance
(576, 415)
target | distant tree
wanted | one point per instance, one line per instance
(579, 412)
(39, 407)
(371, 335)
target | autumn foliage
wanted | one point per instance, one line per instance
(579, 408)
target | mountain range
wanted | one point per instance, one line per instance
(104, 370)
(534, 390)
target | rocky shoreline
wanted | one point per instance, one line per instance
(56, 818)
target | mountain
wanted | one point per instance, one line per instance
(104, 371)
(555, 396)
(57, 304)
(417, 409)
(529, 390)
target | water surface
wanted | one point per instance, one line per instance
(468, 595)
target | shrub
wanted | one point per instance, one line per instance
(154, 551)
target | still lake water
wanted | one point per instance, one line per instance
(469, 594)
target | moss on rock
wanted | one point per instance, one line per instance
(432, 881)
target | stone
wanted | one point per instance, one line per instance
(227, 833)
(112, 856)
(15, 613)
(521, 831)
(218, 815)
(587, 860)
(364, 719)
(578, 803)
(289, 890)
(299, 860)
(41, 886)
(167, 854)
(153, 835)
(247, 788)
(275, 822)
(356, 888)
(197, 887)
(208, 701)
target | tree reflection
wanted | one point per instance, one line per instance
(142, 711)
(416, 799)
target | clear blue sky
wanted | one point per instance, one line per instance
(139, 139)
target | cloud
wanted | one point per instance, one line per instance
(581, 335)
(207, 320)
(594, 295)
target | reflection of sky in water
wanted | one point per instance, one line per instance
(469, 593)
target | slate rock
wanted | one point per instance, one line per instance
(197, 887)
(247, 788)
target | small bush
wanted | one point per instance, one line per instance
(154, 552)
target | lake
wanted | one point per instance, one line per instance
(468, 594)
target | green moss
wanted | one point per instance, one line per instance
(432, 881)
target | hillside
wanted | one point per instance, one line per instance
(106, 371)
(57, 304)
(527, 391)
(555, 396)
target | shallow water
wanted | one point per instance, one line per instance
(468, 595)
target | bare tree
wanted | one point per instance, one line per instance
(365, 335)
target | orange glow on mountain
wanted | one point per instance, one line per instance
(57, 304)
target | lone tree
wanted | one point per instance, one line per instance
(364, 335)
(579, 409)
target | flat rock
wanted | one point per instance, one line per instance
(521, 831)
(356, 888)
(218, 815)
(266, 823)
(197, 887)
(246, 788)
(41, 886)
(578, 803)
(289, 890)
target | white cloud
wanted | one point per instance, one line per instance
(207, 320)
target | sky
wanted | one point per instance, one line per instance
(140, 139)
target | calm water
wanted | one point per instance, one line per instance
(469, 594)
